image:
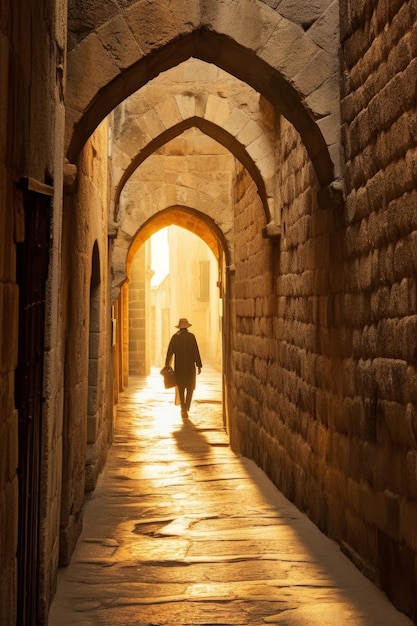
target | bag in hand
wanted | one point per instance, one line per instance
(169, 377)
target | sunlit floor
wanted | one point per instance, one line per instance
(181, 531)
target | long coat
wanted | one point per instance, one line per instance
(183, 345)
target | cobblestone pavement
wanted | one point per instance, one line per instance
(181, 531)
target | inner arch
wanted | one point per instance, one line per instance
(212, 130)
(188, 218)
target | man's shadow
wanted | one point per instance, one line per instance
(190, 440)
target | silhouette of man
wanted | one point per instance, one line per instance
(183, 345)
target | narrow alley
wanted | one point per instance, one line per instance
(181, 531)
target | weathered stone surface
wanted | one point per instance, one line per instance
(253, 25)
(91, 67)
(117, 38)
(209, 554)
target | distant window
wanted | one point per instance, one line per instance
(204, 281)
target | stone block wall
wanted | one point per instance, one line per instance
(311, 342)
(31, 146)
(380, 138)
(253, 345)
(290, 341)
(138, 302)
(88, 411)
(325, 365)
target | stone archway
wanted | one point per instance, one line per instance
(190, 219)
(199, 95)
(294, 65)
(157, 313)
(199, 223)
(252, 164)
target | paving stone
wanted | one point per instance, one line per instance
(181, 531)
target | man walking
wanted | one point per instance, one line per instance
(187, 357)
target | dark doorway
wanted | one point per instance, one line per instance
(32, 270)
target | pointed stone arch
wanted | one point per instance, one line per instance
(187, 217)
(295, 68)
(201, 96)
(213, 203)
(196, 222)
(223, 137)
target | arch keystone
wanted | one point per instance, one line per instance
(154, 24)
(249, 23)
(186, 105)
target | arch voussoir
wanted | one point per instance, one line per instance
(249, 23)
(90, 68)
(153, 24)
(119, 41)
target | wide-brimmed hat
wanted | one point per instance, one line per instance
(183, 323)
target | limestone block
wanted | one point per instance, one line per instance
(325, 29)
(330, 128)
(151, 124)
(84, 16)
(365, 274)
(248, 23)
(400, 59)
(168, 113)
(371, 505)
(117, 38)
(261, 148)
(398, 302)
(154, 24)
(90, 67)
(217, 110)
(186, 104)
(121, 159)
(92, 428)
(250, 133)
(282, 43)
(407, 332)
(237, 120)
(217, 15)
(304, 14)
(391, 376)
(323, 101)
(317, 70)
(394, 415)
